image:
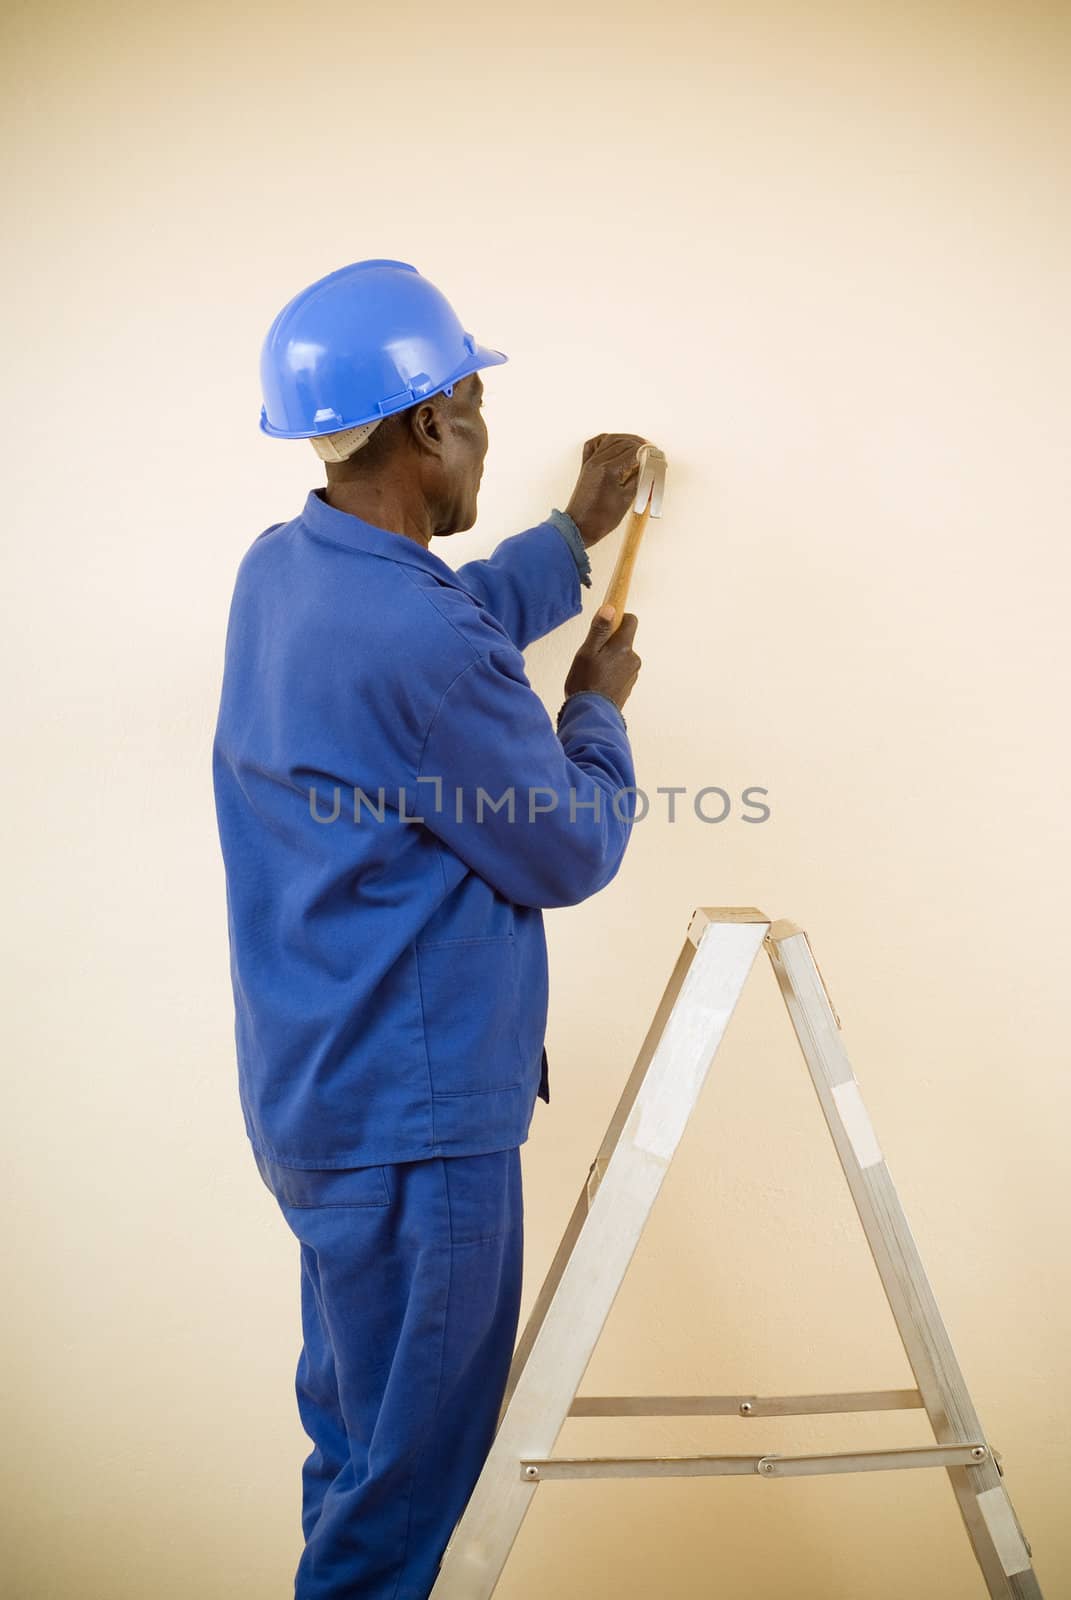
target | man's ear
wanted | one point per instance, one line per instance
(426, 429)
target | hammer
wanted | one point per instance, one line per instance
(650, 483)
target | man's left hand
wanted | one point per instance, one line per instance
(606, 486)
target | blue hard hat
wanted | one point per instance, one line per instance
(370, 339)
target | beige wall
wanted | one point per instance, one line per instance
(819, 254)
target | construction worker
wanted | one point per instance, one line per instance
(386, 932)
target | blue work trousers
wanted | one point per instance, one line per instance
(410, 1296)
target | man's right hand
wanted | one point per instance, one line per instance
(606, 661)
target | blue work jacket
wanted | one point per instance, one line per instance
(387, 948)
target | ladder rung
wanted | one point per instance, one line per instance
(767, 1466)
(750, 1405)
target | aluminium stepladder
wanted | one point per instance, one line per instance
(599, 1241)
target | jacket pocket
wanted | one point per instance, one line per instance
(470, 1000)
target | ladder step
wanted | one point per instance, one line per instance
(766, 1466)
(735, 1405)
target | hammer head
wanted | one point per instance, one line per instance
(650, 480)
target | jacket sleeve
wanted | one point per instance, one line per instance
(530, 582)
(551, 827)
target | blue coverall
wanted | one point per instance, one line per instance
(389, 968)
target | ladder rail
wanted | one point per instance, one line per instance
(596, 1172)
(992, 1526)
(702, 993)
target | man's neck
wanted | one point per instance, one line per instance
(384, 505)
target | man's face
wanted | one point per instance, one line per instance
(465, 441)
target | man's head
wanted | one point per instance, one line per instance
(432, 452)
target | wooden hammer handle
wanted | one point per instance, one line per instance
(617, 593)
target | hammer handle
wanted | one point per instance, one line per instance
(617, 593)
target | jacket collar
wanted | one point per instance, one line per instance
(343, 528)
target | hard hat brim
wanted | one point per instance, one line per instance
(480, 356)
